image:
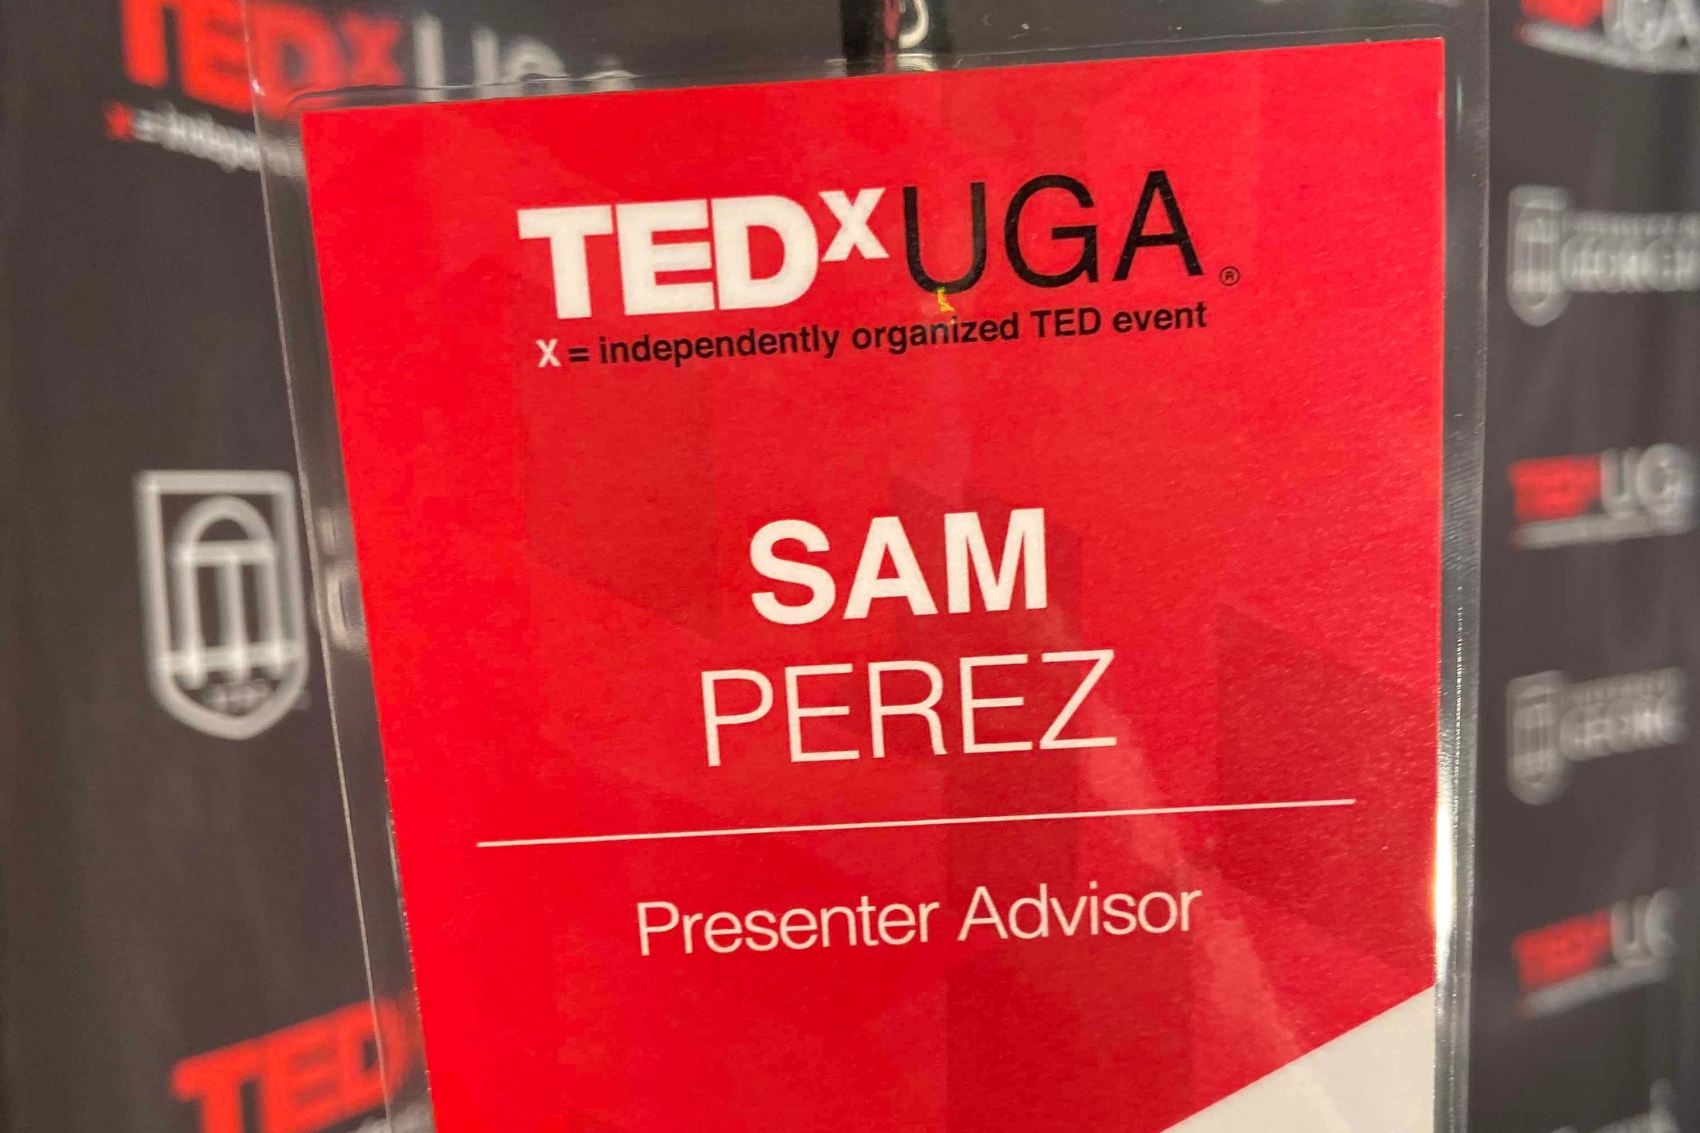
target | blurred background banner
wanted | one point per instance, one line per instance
(1585, 1012)
(180, 947)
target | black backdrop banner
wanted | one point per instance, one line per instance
(1585, 1010)
(179, 946)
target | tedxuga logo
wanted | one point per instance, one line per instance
(653, 239)
(1630, 944)
(1636, 35)
(295, 47)
(1602, 497)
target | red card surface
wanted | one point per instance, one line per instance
(682, 463)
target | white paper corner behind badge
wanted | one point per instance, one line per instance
(1375, 1078)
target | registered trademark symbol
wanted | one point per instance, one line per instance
(1230, 276)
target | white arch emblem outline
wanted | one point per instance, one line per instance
(177, 655)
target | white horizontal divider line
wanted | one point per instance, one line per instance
(974, 820)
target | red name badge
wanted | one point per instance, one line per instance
(908, 602)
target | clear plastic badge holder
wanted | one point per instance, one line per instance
(667, 50)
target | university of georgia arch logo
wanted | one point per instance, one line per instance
(221, 597)
(1534, 279)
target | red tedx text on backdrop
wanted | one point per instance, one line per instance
(1564, 950)
(565, 531)
(1576, 13)
(1555, 487)
(295, 48)
(305, 1077)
